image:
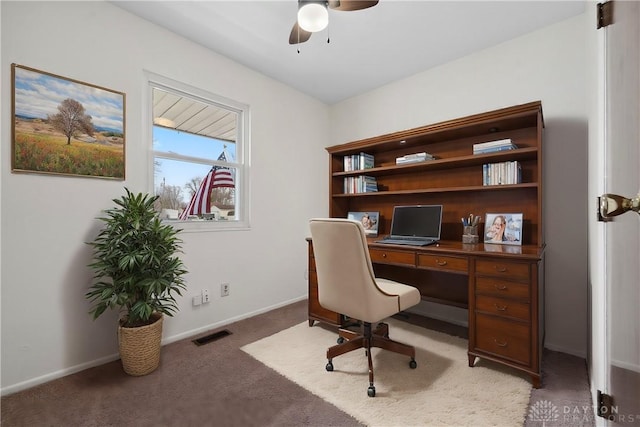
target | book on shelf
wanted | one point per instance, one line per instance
(503, 173)
(414, 158)
(360, 184)
(355, 162)
(493, 146)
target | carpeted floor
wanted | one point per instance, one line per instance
(218, 384)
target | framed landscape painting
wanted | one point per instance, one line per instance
(503, 228)
(66, 127)
(369, 221)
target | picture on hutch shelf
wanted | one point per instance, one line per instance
(503, 228)
(369, 221)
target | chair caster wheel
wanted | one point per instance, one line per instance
(413, 364)
(371, 391)
(340, 340)
(329, 366)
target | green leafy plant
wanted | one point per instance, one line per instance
(135, 265)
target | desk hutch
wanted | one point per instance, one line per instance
(501, 286)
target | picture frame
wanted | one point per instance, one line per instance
(503, 228)
(63, 126)
(370, 221)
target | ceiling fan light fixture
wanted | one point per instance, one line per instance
(313, 16)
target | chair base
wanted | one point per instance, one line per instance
(368, 339)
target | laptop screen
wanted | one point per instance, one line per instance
(417, 220)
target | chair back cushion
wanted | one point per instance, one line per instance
(346, 281)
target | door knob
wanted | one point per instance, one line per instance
(613, 205)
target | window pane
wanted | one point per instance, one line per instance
(186, 144)
(199, 155)
(194, 116)
(177, 182)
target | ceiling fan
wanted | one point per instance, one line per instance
(313, 16)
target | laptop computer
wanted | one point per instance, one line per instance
(415, 225)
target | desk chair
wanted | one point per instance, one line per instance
(347, 285)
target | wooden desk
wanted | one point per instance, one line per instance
(500, 285)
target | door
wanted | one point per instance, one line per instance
(622, 231)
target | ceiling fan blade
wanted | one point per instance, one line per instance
(349, 5)
(298, 35)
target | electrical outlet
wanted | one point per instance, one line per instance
(205, 296)
(224, 290)
(197, 300)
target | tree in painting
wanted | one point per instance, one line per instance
(71, 119)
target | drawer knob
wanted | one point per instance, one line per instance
(500, 287)
(384, 255)
(441, 263)
(501, 269)
(500, 343)
(500, 307)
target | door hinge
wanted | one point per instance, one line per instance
(605, 405)
(605, 14)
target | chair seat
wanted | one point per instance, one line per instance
(408, 296)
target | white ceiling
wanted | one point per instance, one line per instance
(368, 48)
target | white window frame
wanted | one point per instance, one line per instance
(243, 144)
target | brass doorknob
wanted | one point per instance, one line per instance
(613, 205)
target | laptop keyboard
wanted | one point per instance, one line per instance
(410, 242)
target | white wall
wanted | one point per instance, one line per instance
(547, 65)
(46, 331)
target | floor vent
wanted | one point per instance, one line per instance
(211, 337)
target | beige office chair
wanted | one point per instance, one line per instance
(347, 285)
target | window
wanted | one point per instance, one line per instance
(200, 162)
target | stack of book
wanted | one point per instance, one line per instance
(414, 158)
(356, 162)
(503, 173)
(493, 146)
(360, 184)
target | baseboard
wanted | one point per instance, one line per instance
(206, 328)
(626, 365)
(168, 340)
(562, 349)
(56, 375)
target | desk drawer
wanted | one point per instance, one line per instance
(502, 288)
(503, 307)
(439, 262)
(503, 338)
(384, 256)
(501, 268)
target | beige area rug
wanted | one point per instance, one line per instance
(442, 391)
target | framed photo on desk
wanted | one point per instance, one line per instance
(503, 228)
(369, 221)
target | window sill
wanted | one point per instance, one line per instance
(199, 226)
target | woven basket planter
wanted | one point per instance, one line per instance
(140, 347)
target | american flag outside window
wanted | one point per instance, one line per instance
(218, 176)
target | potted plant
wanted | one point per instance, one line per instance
(136, 271)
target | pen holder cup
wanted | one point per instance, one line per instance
(470, 234)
